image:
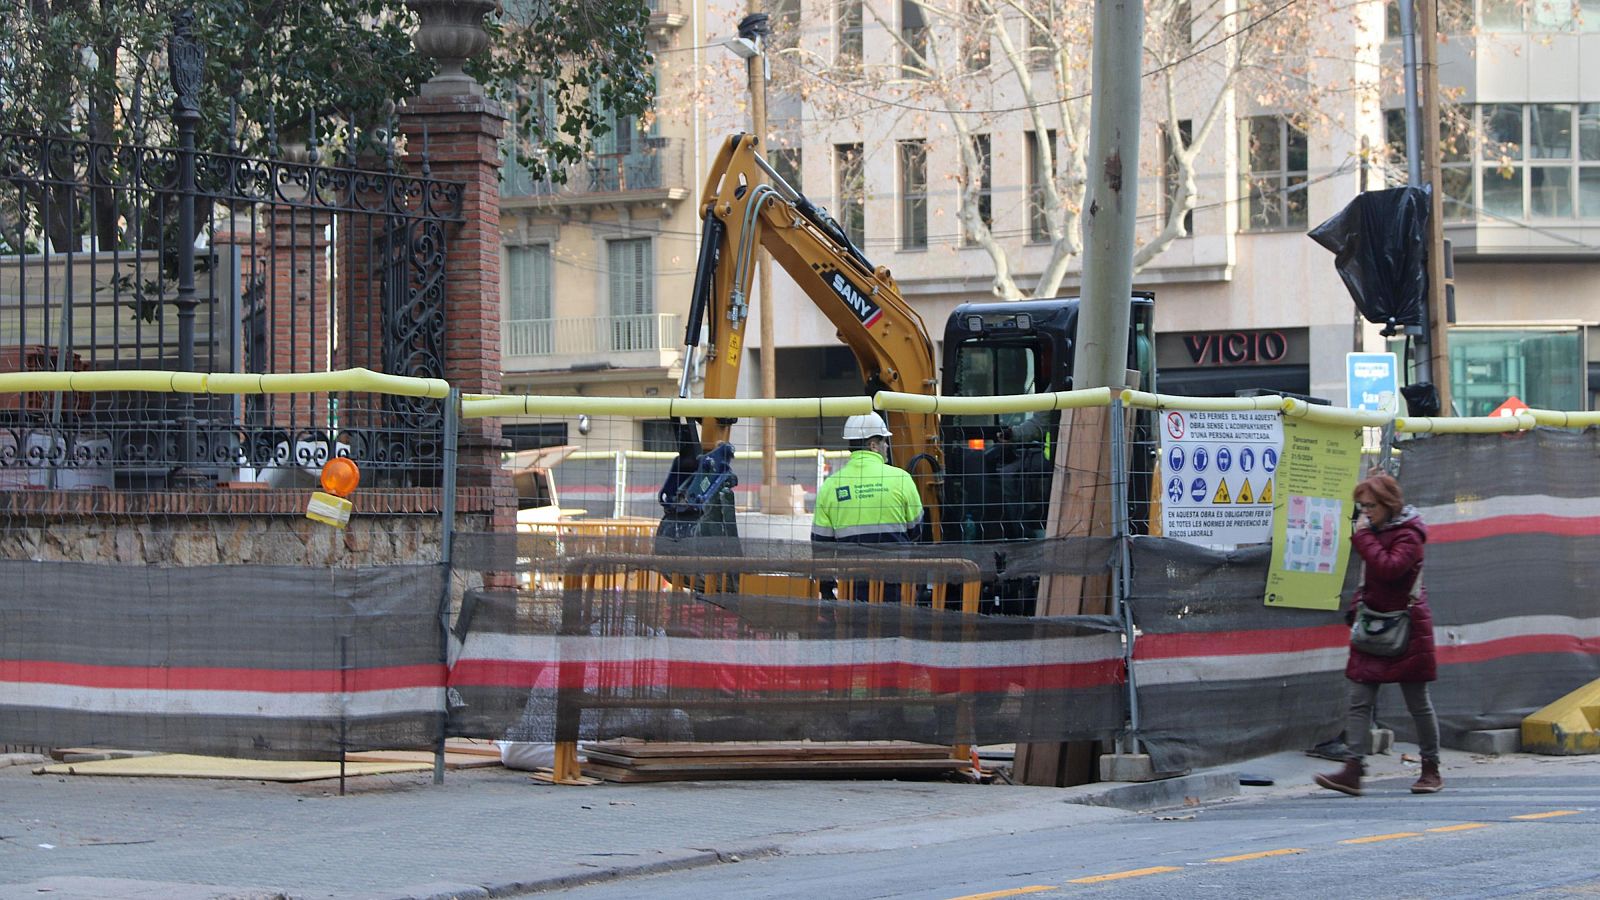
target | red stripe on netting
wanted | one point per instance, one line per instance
(1500, 526)
(203, 678)
(1520, 645)
(1240, 643)
(653, 673)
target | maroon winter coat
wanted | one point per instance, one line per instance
(1393, 558)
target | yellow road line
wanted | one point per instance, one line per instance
(1383, 837)
(1548, 815)
(1118, 876)
(1245, 857)
(1466, 826)
(1011, 892)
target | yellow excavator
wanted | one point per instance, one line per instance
(962, 466)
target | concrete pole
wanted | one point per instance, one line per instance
(1436, 320)
(1112, 197)
(1079, 504)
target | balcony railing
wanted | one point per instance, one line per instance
(655, 167)
(593, 335)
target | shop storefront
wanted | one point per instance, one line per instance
(1227, 363)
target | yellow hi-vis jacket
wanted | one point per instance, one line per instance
(867, 502)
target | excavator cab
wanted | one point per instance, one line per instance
(998, 466)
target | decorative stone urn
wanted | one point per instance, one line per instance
(452, 33)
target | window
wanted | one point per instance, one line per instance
(982, 182)
(535, 435)
(993, 370)
(847, 32)
(913, 158)
(1543, 367)
(784, 16)
(975, 25)
(1038, 215)
(1540, 161)
(529, 330)
(1455, 16)
(914, 40)
(1170, 173)
(633, 303)
(786, 162)
(1460, 196)
(1274, 188)
(659, 435)
(850, 191)
(1041, 44)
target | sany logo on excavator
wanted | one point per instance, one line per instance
(863, 307)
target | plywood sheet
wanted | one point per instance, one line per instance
(183, 765)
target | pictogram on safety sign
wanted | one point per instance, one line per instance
(1266, 493)
(1244, 494)
(1222, 493)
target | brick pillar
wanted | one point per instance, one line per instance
(298, 320)
(461, 135)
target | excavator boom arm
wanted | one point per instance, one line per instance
(745, 204)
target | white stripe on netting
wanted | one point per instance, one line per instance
(1248, 667)
(745, 652)
(1515, 626)
(241, 704)
(1511, 505)
(1254, 666)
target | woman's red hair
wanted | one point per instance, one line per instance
(1383, 490)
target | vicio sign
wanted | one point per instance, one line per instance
(1236, 348)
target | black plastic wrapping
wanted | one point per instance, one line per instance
(1379, 243)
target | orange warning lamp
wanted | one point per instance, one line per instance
(975, 443)
(340, 476)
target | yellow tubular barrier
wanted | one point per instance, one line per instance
(363, 380)
(895, 401)
(1146, 400)
(479, 406)
(1556, 419)
(1479, 425)
(1334, 415)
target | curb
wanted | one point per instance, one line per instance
(664, 861)
(1184, 790)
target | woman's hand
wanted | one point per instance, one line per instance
(1363, 523)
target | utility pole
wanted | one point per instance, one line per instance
(1436, 321)
(753, 30)
(1081, 496)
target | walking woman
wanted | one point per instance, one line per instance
(1389, 536)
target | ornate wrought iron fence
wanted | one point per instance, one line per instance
(150, 257)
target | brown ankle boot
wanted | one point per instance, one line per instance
(1347, 780)
(1429, 782)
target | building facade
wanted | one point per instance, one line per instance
(1245, 301)
(597, 270)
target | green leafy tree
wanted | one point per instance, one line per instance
(277, 69)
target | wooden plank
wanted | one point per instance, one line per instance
(812, 769)
(1080, 505)
(452, 760)
(809, 749)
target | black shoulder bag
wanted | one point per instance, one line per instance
(1385, 634)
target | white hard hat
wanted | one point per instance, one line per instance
(866, 425)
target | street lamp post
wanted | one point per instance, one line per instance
(751, 45)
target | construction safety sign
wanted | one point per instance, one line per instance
(1217, 471)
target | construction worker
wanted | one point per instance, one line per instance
(868, 501)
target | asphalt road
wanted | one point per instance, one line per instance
(1496, 831)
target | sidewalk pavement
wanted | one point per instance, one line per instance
(495, 832)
